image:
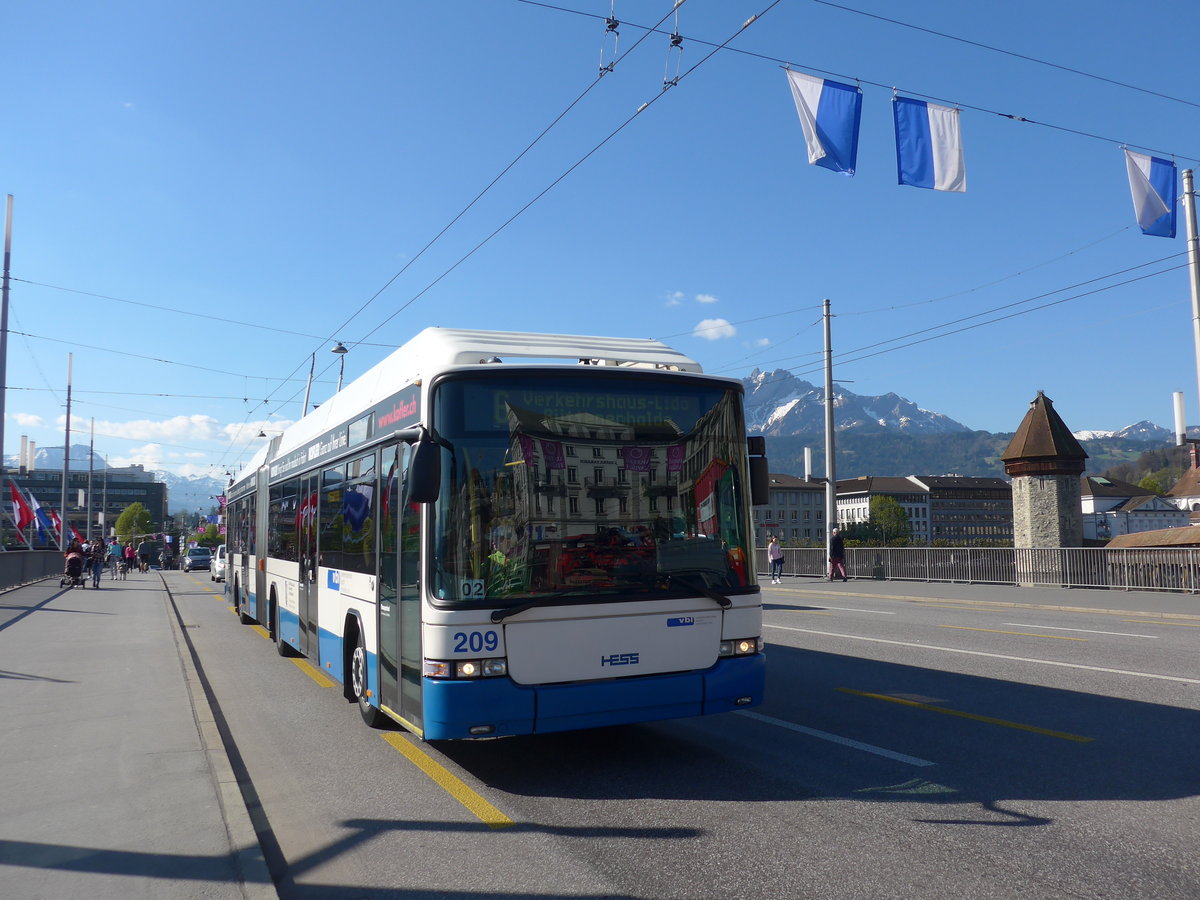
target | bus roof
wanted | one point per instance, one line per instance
(436, 350)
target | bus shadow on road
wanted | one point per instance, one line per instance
(982, 741)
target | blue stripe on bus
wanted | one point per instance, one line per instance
(452, 707)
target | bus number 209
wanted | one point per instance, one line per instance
(475, 641)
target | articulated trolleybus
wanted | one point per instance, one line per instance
(478, 548)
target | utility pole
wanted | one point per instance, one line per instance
(91, 455)
(62, 508)
(830, 465)
(1193, 250)
(4, 331)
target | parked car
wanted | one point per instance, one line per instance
(197, 558)
(217, 571)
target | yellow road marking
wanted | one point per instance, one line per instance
(450, 783)
(312, 672)
(1066, 736)
(260, 631)
(1057, 637)
(1152, 622)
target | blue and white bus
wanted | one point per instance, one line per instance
(478, 548)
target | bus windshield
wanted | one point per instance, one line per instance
(618, 485)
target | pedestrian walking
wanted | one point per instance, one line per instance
(775, 555)
(837, 556)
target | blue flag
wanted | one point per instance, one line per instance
(1154, 188)
(929, 151)
(830, 114)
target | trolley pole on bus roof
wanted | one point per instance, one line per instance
(830, 465)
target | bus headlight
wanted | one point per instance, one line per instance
(740, 647)
(465, 668)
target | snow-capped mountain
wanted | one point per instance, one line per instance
(1144, 430)
(184, 493)
(779, 403)
(188, 493)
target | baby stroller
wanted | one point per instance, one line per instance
(73, 574)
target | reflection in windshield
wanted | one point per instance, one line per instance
(589, 485)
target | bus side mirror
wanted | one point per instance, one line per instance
(760, 481)
(425, 472)
(760, 487)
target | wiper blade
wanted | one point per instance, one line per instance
(704, 590)
(499, 615)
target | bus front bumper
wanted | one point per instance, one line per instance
(498, 707)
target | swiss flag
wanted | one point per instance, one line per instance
(22, 514)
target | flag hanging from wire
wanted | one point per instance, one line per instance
(1153, 185)
(830, 114)
(929, 151)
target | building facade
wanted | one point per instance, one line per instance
(112, 490)
(796, 512)
(1112, 508)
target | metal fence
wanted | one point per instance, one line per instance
(1174, 569)
(24, 566)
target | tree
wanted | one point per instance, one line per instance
(133, 523)
(1151, 483)
(889, 521)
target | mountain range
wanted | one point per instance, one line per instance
(185, 493)
(885, 434)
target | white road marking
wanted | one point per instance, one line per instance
(837, 739)
(877, 612)
(1153, 637)
(1044, 662)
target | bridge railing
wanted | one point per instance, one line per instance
(1155, 569)
(24, 566)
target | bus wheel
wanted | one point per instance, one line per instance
(281, 648)
(358, 684)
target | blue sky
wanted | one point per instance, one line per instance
(181, 171)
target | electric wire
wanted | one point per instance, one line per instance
(485, 190)
(1015, 55)
(907, 92)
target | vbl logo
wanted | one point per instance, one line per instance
(619, 659)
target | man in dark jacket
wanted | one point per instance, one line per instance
(837, 556)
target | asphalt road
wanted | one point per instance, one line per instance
(908, 748)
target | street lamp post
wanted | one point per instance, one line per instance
(341, 351)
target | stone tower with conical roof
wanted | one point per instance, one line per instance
(1045, 463)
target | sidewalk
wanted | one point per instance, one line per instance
(114, 778)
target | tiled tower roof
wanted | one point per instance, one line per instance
(1043, 445)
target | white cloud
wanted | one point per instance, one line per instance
(706, 298)
(247, 432)
(28, 420)
(149, 455)
(763, 342)
(177, 429)
(714, 329)
(674, 298)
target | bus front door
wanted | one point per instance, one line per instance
(399, 602)
(307, 589)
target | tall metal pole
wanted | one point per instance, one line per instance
(4, 331)
(62, 508)
(1193, 244)
(104, 504)
(91, 456)
(830, 464)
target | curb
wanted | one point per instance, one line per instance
(255, 878)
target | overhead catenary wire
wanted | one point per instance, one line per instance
(786, 63)
(420, 253)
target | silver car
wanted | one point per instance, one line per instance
(216, 571)
(197, 558)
